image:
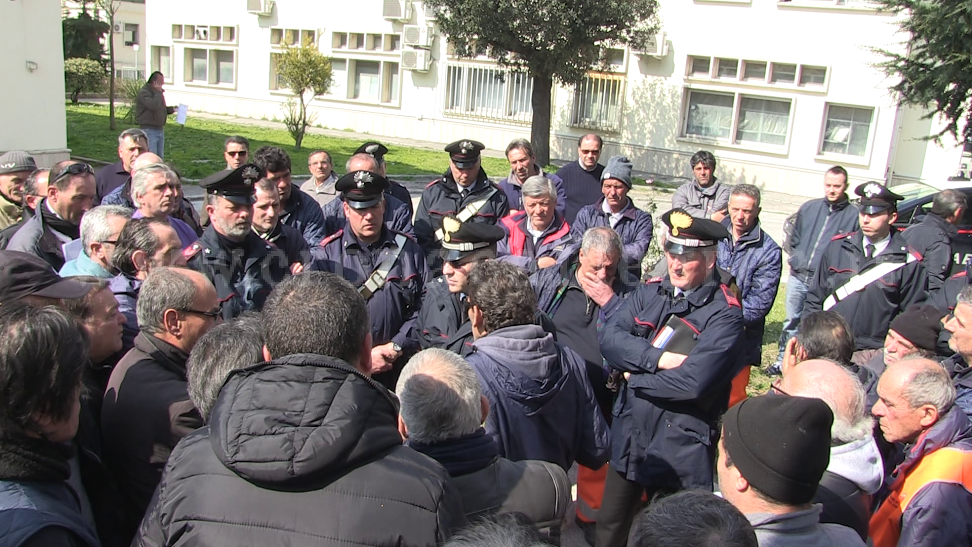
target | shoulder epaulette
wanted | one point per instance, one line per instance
(842, 236)
(191, 251)
(730, 298)
(406, 234)
(658, 279)
(429, 185)
(959, 275)
(331, 237)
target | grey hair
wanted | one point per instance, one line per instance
(929, 385)
(965, 296)
(30, 185)
(501, 530)
(224, 348)
(520, 144)
(602, 239)
(94, 223)
(440, 396)
(846, 398)
(140, 178)
(362, 157)
(747, 190)
(266, 185)
(539, 186)
(948, 201)
(132, 133)
(164, 288)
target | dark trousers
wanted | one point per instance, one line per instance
(621, 502)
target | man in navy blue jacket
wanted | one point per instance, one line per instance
(541, 404)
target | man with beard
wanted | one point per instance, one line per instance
(243, 267)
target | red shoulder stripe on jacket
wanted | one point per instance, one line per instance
(842, 236)
(332, 237)
(191, 251)
(658, 279)
(730, 298)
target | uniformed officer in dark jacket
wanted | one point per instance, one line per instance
(243, 267)
(869, 276)
(464, 191)
(678, 338)
(398, 215)
(443, 321)
(932, 237)
(378, 151)
(387, 267)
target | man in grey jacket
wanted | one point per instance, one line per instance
(442, 410)
(816, 222)
(151, 112)
(704, 197)
(773, 483)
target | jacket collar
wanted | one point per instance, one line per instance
(709, 190)
(954, 426)
(698, 296)
(838, 205)
(629, 211)
(351, 241)
(162, 352)
(752, 236)
(941, 223)
(8, 207)
(481, 181)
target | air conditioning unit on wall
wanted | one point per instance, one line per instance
(657, 47)
(202, 33)
(260, 8)
(117, 28)
(418, 36)
(416, 60)
(397, 10)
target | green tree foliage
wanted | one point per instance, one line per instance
(935, 72)
(82, 37)
(82, 75)
(307, 73)
(551, 39)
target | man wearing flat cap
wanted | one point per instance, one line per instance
(773, 482)
(914, 332)
(464, 191)
(387, 267)
(443, 321)
(677, 338)
(15, 167)
(869, 276)
(243, 267)
(378, 151)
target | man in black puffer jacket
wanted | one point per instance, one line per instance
(304, 449)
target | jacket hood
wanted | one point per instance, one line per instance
(301, 419)
(528, 364)
(859, 462)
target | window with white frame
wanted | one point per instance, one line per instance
(738, 118)
(488, 93)
(846, 130)
(598, 102)
(374, 81)
(210, 66)
(757, 72)
(162, 61)
(285, 37)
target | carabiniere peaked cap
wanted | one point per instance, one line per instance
(875, 198)
(235, 185)
(686, 232)
(465, 152)
(361, 189)
(467, 239)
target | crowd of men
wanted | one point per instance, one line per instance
(327, 364)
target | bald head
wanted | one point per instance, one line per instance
(143, 159)
(840, 389)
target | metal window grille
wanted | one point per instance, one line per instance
(488, 93)
(598, 102)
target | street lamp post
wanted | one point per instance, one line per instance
(135, 47)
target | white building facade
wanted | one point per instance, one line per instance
(778, 90)
(127, 34)
(32, 63)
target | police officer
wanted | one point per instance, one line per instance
(378, 151)
(464, 191)
(443, 321)
(243, 267)
(677, 338)
(398, 215)
(388, 267)
(869, 276)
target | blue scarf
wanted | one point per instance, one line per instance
(463, 455)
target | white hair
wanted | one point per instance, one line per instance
(440, 396)
(141, 177)
(539, 186)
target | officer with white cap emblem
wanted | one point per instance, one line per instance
(869, 276)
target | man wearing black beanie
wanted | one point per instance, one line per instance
(773, 451)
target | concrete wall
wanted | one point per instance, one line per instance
(33, 90)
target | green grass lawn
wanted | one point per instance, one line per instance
(196, 149)
(758, 381)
